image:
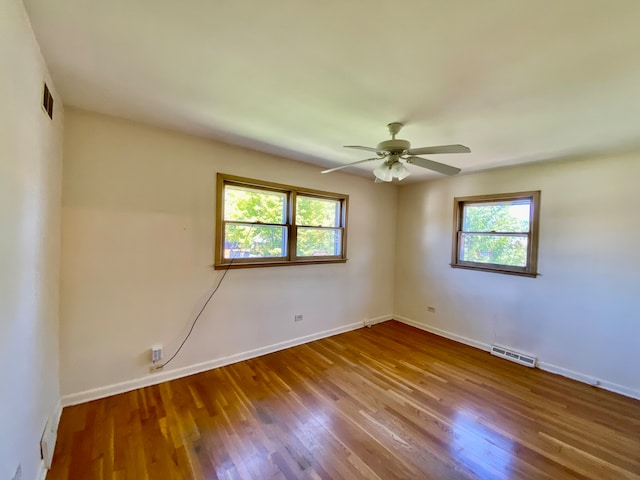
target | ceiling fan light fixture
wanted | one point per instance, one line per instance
(396, 152)
(399, 171)
(384, 173)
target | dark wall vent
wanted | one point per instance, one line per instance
(47, 101)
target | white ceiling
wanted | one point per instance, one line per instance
(515, 80)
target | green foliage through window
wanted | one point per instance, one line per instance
(496, 249)
(256, 223)
(317, 212)
(488, 242)
(253, 205)
(497, 233)
(314, 242)
(254, 241)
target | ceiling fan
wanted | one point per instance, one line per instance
(396, 152)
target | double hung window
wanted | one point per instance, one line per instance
(497, 233)
(267, 224)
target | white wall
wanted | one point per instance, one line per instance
(138, 240)
(30, 177)
(580, 316)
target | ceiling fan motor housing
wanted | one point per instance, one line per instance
(396, 152)
(394, 146)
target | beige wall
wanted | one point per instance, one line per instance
(579, 317)
(138, 235)
(138, 228)
(30, 176)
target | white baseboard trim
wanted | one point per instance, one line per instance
(547, 367)
(164, 376)
(590, 380)
(443, 333)
(57, 413)
(373, 321)
(42, 471)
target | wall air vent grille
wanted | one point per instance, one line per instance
(47, 101)
(517, 357)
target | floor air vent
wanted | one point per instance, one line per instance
(513, 356)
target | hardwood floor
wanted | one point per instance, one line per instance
(389, 402)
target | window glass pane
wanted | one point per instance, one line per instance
(497, 217)
(498, 249)
(314, 242)
(317, 212)
(254, 205)
(254, 241)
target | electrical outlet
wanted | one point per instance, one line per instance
(298, 318)
(431, 309)
(156, 353)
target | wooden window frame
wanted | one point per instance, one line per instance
(291, 194)
(531, 268)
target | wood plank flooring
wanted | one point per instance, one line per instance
(387, 402)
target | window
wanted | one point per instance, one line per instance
(268, 224)
(497, 233)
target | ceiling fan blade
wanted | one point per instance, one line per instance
(439, 149)
(360, 147)
(350, 164)
(435, 166)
